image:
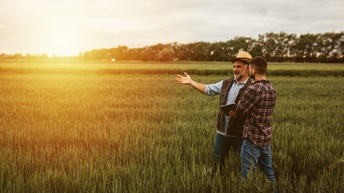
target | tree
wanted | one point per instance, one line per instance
(306, 48)
(200, 51)
(330, 46)
(257, 48)
(219, 51)
(327, 47)
(237, 44)
(269, 44)
(166, 54)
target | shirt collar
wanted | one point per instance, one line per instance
(235, 81)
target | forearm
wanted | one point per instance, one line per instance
(198, 86)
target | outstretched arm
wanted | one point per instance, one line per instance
(186, 80)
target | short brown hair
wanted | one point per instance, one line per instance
(260, 64)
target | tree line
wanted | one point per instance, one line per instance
(276, 47)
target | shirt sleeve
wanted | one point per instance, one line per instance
(213, 89)
(248, 100)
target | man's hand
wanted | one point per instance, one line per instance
(186, 80)
(183, 79)
(232, 114)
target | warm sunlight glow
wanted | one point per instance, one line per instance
(60, 44)
(62, 40)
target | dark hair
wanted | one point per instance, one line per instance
(260, 64)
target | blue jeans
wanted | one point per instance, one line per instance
(251, 155)
(221, 149)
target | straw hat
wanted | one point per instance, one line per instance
(242, 56)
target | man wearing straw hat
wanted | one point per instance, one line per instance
(229, 130)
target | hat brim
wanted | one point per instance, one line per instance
(247, 60)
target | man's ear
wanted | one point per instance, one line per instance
(252, 70)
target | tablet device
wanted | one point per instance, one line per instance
(227, 108)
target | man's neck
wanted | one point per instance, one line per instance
(259, 77)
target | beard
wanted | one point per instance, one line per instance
(239, 75)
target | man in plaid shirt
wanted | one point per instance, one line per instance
(256, 108)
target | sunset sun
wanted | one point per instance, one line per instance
(61, 40)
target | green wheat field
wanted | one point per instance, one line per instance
(129, 127)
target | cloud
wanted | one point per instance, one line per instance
(88, 24)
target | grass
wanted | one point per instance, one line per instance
(108, 132)
(132, 67)
(184, 65)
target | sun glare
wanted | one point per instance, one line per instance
(62, 40)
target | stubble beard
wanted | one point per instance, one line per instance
(239, 76)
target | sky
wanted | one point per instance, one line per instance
(70, 27)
